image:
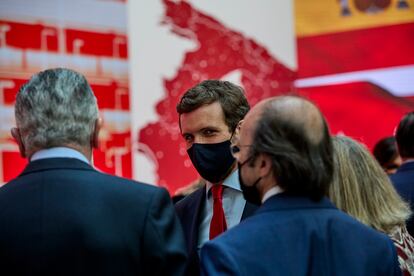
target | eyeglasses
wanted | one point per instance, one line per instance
(234, 149)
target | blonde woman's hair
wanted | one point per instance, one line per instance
(362, 189)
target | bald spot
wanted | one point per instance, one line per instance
(300, 113)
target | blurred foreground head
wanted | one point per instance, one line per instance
(405, 137)
(386, 153)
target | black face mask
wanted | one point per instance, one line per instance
(212, 161)
(250, 193)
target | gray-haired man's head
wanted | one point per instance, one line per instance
(56, 107)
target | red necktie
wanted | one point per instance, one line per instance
(218, 222)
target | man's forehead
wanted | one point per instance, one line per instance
(255, 113)
(210, 115)
(251, 119)
(247, 128)
(198, 125)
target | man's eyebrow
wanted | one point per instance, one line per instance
(213, 128)
(209, 128)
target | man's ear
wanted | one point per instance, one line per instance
(15, 132)
(265, 164)
(236, 133)
(95, 133)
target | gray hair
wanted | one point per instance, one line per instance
(56, 107)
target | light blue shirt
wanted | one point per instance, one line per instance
(58, 152)
(233, 206)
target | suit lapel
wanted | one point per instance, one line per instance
(249, 210)
(197, 205)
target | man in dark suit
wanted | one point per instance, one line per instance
(210, 115)
(403, 179)
(284, 157)
(60, 216)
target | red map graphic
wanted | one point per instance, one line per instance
(221, 51)
(360, 110)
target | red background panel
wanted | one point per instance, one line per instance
(361, 110)
(355, 50)
(29, 36)
(97, 44)
(13, 164)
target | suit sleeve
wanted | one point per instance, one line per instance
(164, 245)
(216, 260)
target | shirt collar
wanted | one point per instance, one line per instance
(58, 152)
(271, 192)
(232, 181)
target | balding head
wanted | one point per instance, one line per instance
(293, 132)
(300, 113)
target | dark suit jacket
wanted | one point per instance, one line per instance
(62, 217)
(296, 236)
(189, 211)
(403, 181)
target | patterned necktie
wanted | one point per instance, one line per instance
(218, 222)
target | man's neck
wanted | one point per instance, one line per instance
(407, 159)
(269, 187)
(271, 192)
(61, 151)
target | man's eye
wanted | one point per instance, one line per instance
(188, 137)
(208, 132)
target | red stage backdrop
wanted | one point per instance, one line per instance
(240, 42)
(355, 61)
(353, 58)
(77, 34)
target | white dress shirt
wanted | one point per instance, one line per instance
(271, 192)
(58, 152)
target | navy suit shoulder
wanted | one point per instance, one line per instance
(295, 236)
(185, 205)
(188, 210)
(67, 218)
(404, 175)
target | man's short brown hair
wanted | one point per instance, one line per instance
(230, 96)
